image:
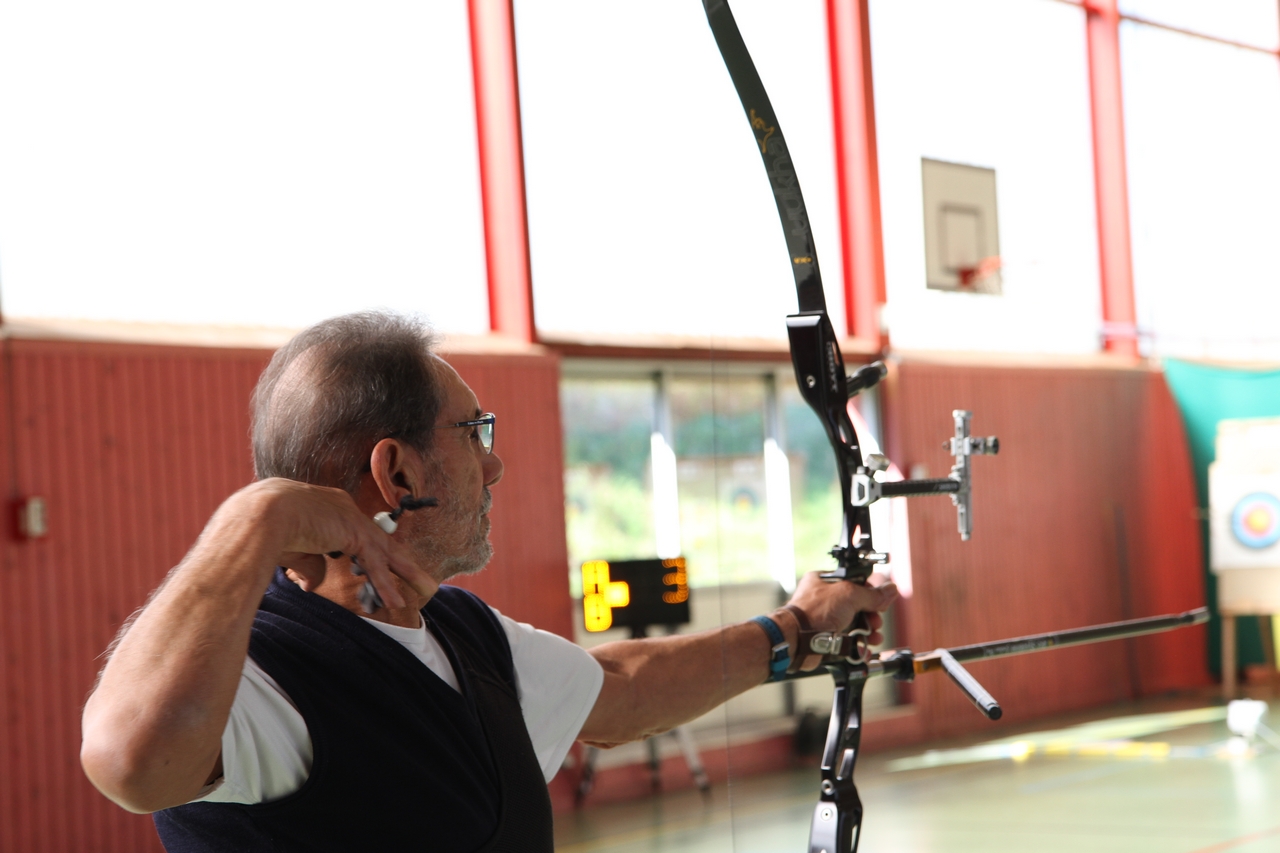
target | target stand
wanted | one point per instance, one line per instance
(1244, 533)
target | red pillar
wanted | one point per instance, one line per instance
(1111, 182)
(857, 170)
(506, 229)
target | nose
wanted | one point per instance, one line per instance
(492, 468)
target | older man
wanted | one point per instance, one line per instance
(254, 704)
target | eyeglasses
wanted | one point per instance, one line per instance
(484, 429)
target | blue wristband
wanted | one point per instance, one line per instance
(780, 654)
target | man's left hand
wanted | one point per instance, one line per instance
(833, 605)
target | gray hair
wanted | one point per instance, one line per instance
(337, 389)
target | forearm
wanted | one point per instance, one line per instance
(153, 726)
(654, 685)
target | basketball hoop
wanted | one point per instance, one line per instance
(970, 277)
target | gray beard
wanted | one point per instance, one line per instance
(471, 564)
(476, 557)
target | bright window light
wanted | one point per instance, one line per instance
(608, 471)
(1001, 84)
(649, 209)
(1203, 126)
(1252, 22)
(239, 163)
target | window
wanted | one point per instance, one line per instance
(607, 477)
(239, 163)
(645, 191)
(1203, 130)
(1001, 85)
(737, 469)
(815, 491)
(1252, 22)
(719, 442)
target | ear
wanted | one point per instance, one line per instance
(394, 466)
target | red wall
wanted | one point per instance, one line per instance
(1086, 516)
(529, 576)
(133, 447)
(1084, 452)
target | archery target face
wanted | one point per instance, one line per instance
(1244, 519)
(1255, 520)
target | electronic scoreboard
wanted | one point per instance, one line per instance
(634, 593)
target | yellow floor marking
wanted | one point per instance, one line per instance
(1113, 737)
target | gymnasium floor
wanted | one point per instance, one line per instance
(1141, 778)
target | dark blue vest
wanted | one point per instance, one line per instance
(401, 760)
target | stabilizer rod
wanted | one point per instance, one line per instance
(905, 665)
(1059, 639)
(977, 694)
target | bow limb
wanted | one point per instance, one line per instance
(815, 350)
(820, 375)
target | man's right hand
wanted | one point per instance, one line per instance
(153, 725)
(312, 521)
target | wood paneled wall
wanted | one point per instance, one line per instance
(1086, 516)
(133, 447)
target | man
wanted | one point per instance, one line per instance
(253, 707)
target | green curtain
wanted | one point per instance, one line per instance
(1207, 394)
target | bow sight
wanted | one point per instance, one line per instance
(867, 489)
(820, 375)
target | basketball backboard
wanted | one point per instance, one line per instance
(961, 229)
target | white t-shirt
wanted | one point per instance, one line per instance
(266, 749)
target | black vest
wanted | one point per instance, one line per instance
(402, 761)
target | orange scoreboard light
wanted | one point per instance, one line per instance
(634, 593)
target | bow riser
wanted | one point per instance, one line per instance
(837, 819)
(821, 378)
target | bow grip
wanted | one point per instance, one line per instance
(849, 645)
